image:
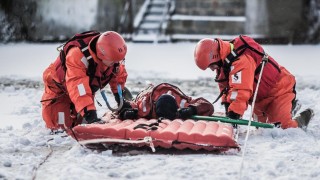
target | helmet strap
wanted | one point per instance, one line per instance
(218, 63)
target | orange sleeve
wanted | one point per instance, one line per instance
(241, 79)
(77, 81)
(119, 78)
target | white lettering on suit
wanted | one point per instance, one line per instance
(236, 78)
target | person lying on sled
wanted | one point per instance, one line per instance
(167, 101)
(238, 64)
(88, 62)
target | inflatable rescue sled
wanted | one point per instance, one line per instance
(178, 134)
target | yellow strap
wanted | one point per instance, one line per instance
(231, 46)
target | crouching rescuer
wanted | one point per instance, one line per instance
(238, 65)
(86, 63)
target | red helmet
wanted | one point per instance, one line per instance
(111, 47)
(206, 52)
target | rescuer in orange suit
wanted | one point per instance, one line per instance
(87, 63)
(167, 101)
(238, 64)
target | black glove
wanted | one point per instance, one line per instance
(185, 113)
(126, 105)
(128, 113)
(233, 115)
(91, 117)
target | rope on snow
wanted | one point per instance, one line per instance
(264, 60)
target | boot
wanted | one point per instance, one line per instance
(296, 105)
(304, 118)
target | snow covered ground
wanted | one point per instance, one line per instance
(25, 144)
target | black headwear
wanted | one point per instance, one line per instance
(166, 107)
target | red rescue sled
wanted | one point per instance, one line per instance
(179, 134)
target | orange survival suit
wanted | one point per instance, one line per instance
(73, 78)
(238, 76)
(145, 101)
